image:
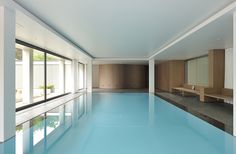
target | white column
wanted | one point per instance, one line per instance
(62, 76)
(89, 76)
(234, 74)
(151, 76)
(27, 76)
(74, 75)
(7, 73)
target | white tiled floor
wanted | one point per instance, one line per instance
(27, 114)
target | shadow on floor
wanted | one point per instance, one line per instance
(215, 113)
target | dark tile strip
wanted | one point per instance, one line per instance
(204, 117)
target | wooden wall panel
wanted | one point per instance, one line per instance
(216, 68)
(162, 76)
(170, 74)
(177, 73)
(95, 76)
(111, 76)
(120, 76)
(136, 76)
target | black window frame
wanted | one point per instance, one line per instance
(45, 51)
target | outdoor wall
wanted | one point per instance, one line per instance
(38, 73)
(121, 76)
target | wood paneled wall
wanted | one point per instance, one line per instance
(170, 74)
(136, 76)
(177, 73)
(111, 76)
(95, 76)
(162, 76)
(121, 76)
(216, 67)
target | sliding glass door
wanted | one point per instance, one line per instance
(55, 76)
(81, 76)
(40, 75)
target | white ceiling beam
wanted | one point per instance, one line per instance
(120, 60)
(207, 21)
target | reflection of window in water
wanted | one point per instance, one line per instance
(38, 128)
(53, 121)
(68, 114)
(44, 127)
(19, 139)
(81, 106)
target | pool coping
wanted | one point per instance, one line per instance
(204, 117)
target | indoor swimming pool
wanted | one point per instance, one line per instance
(119, 123)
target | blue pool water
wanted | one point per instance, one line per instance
(119, 123)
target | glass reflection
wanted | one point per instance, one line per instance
(68, 114)
(38, 128)
(40, 133)
(111, 123)
(81, 106)
(52, 121)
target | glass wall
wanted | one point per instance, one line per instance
(197, 71)
(40, 75)
(55, 76)
(81, 76)
(18, 78)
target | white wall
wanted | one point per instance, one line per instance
(95, 76)
(229, 68)
(52, 77)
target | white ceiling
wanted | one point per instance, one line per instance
(125, 28)
(32, 32)
(216, 35)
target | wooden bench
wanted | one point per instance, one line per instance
(187, 90)
(214, 94)
(206, 94)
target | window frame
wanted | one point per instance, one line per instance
(84, 71)
(45, 52)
